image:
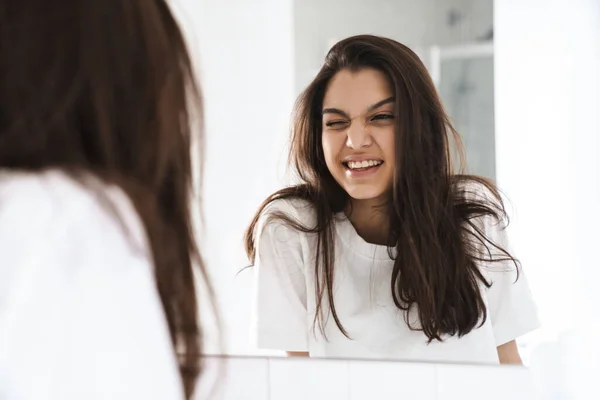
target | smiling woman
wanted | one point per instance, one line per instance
(407, 255)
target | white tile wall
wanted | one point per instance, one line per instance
(391, 381)
(309, 379)
(470, 382)
(234, 379)
(264, 378)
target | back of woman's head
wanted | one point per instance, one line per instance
(105, 87)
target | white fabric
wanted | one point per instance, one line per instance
(80, 317)
(285, 298)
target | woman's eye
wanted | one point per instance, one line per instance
(335, 124)
(382, 117)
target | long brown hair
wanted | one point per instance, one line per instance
(107, 87)
(432, 209)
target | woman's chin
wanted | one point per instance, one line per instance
(365, 195)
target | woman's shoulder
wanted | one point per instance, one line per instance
(68, 265)
(39, 199)
(297, 210)
(52, 202)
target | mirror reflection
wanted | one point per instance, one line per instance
(384, 236)
(382, 249)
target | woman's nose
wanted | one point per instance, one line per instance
(357, 136)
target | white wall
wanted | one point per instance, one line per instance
(244, 52)
(547, 113)
(319, 23)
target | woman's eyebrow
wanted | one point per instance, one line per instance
(335, 111)
(371, 108)
(380, 103)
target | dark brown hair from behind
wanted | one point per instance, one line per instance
(107, 87)
(432, 207)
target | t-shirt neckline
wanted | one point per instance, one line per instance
(352, 240)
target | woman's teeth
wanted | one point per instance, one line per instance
(363, 164)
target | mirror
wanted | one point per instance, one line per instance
(256, 57)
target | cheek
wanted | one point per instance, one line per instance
(332, 145)
(386, 139)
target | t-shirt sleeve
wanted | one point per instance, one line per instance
(81, 317)
(511, 308)
(280, 284)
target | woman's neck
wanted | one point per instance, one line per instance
(370, 220)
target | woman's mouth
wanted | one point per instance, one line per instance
(363, 168)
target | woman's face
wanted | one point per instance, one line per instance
(358, 133)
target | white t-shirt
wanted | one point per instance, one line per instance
(80, 316)
(285, 298)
